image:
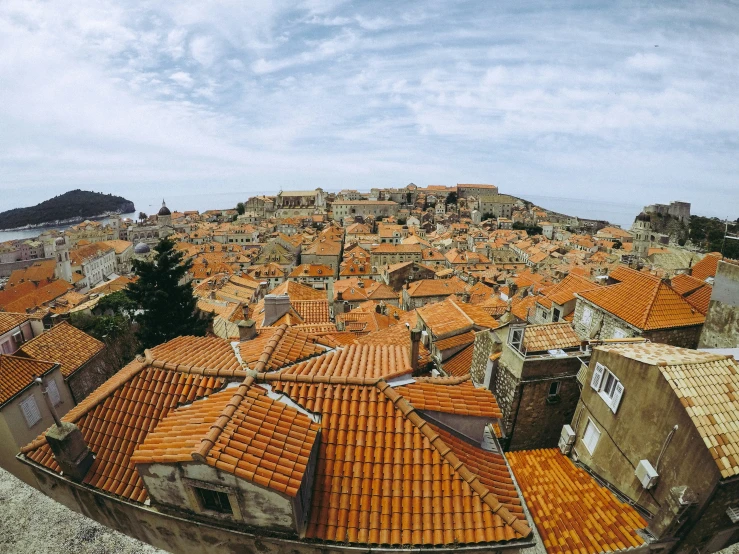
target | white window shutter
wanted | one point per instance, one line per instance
(597, 377)
(617, 394)
(30, 411)
(53, 392)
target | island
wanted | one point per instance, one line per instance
(70, 207)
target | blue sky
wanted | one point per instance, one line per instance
(629, 101)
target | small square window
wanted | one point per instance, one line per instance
(591, 437)
(215, 501)
(554, 388)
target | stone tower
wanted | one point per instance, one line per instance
(164, 216)
(63, 268)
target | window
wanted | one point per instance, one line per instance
(30, 411)
(587, 316)
(53, 393)
(554, 388)
(215, 501)
(608, 386)
(591, 437)
(516, 338)
(619, 333)
(556, 314)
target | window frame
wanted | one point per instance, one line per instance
(53, 391)
(587, 316)
(608, 386)
(214, 504)
(197, 504)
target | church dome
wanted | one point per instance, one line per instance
(141, 248)
(164, 210)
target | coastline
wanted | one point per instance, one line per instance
(65, 222)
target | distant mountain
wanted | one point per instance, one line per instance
(70, 207)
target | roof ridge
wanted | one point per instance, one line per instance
(217, 428)
(486, 496)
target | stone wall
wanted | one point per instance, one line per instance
(687, 337)
(721, 329)
(504, 385)
(713, 520)
(89, 377)
(485, 344)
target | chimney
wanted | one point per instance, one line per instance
(275, 306)
(415, 345)
(67, 444)
(247, 329)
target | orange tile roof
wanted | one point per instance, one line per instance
(312, 311)
(461, 399)
(388, 478)
(38, 271)
(707, 386)
(459, 364)
(572, 512)
(265, 442)
(396, 336)
(644, 301)
(65, 344)
(707, 266)
(701, 298)
(436, 287)
(548, 336)
(312, 270)
(212, 352)
(685, 284)
(290, 346)
(88, 252)
(356, 360)
(296, 291)
(17, 373)
(520, 306)
(463, 339)
(118, 416)
(10, 321)
(26, 295)
(565, 290)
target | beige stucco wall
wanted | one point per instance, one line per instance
(647, 413)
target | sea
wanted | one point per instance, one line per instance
(618, 213)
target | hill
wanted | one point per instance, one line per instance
(70, 207)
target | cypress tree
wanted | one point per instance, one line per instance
(168, 308)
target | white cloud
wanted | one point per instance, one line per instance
(371, 93)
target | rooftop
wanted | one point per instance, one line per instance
(65, 344)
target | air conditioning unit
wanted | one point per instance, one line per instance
(646, 474)
(566, 439)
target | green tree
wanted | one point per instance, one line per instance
(168, 308)
(451, 198)
(241, 208)
(142, 216)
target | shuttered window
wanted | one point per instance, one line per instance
(608, 386)
(587, 316)
(30, 410)
(53, 392)
(591, 436)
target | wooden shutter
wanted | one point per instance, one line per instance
(597, 377)
(617, 394)
(53, 392)
(30, 411)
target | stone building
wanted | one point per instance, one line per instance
(258, 459)
(386, 254)
(16, 329)
(379, 209)
(535, 382)
(150, 231)
(403, 273)
(654, 422)
(300, 203)
(637, 304)
(721, 329)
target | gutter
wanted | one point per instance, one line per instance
(324, 545)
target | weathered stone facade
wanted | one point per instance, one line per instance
(89, 377)
(603, 325)
(721, 329)
(484, 345)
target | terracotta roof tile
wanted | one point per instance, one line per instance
(463, 339)
(116, 424)
(548, 336)
(461, 399)
(685, 284)
(64, 344)
(459, 364)
(9, 321)
(565, 290)
(213, 352)
(707, 266)
(644, 301)
(572, 512)
(16, 373)
(292, 346)
(259, 424)
(356, 360)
